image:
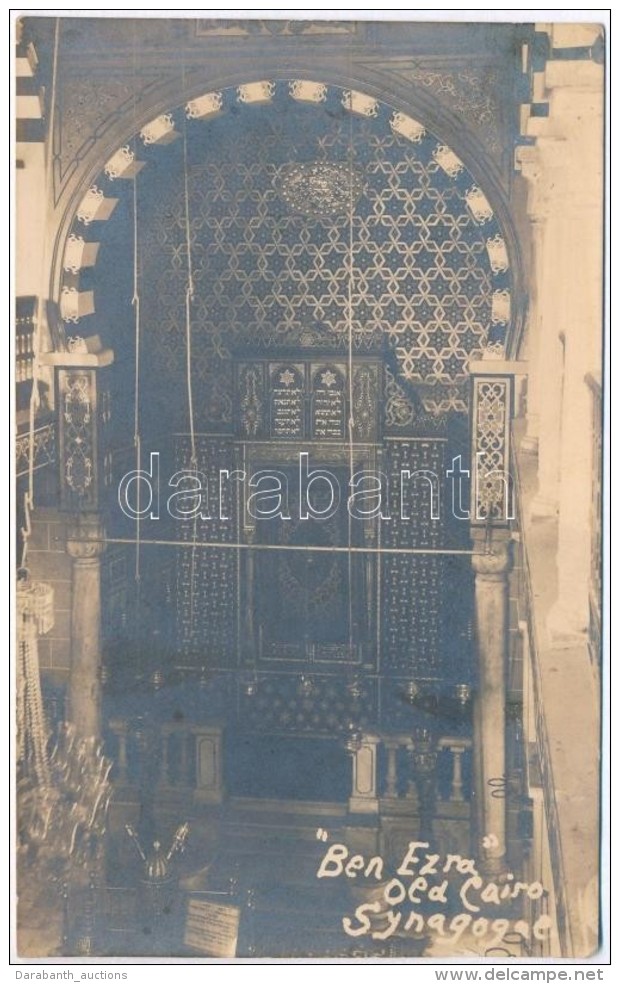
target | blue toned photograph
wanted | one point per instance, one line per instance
(310, 638)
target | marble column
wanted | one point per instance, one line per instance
(85, 545)
(491, 563)
(83, 414)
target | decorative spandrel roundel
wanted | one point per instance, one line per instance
(317, 216)
(320, 189)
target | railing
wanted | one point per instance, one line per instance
(43, 448)
(187, 756)
(25, 314)
(24, 350)
(398, 782)
(385, 771)
(172, 755)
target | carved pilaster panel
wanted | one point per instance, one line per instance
(364, 410)
(251, 400)
(491, 482)
(83, 416)
(77, 424)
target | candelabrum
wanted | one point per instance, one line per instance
(62, 794)
(63, 821)
(157, 884)
(63, 788)
(61, 827)
(424, 763)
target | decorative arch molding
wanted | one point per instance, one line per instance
(385, 88)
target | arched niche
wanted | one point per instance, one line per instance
(465, 176)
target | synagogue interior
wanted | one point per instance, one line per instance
(309, 348)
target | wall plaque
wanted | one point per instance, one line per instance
(328, 402)
(212, 928)
(287, 400)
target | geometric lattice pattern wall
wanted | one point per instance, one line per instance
(412, 584)
(280, 705)
(272, 237)
(412, 605)
(206, 591)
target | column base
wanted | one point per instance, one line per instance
(209, 797)
(493, 867)
(363, 804)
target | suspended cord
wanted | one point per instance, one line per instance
(189, 297)
(136, 425)
(351, 418)
(136, 305)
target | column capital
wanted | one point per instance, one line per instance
(457, 747)
(84, 353)
(492, 556)
(86, 538)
